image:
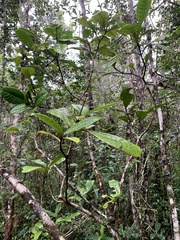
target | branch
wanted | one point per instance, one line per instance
(96, 172)
(34, 204)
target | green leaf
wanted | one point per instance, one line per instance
(70, 63)
(165, 48)
(115, 184)
(141, 114)
(87, 33)
(41, 97)
(27, 169)
(124, 118)
(48, 133)
(117, 142)
(83, 21)
(106, 204)
(106, 51)
(130, 29)
(89, 185)
(84, 123)
(12, 95)
(101, 108)
(24, 37)
(39, 161)
(143, 7)
(61, 113)
(157, 226)
(101, 40)
(51, 122)
(54, 32)
(110, 139)
(73, 139)
(12, 129)
(19, 108)
(57, 160)
(68, 218)
(28, 71)
(147, 57)
(126, 96)
(81, 109)
(110, 62)
(18, 60)
(101, 18)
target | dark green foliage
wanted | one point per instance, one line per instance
(12, 95)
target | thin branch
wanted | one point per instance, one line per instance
(96, 172)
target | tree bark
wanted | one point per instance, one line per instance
(34, 205)
(164, 162)
(88, 66)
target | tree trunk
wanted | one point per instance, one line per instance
(164, 161)
(88, 65)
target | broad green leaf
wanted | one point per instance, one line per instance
(18, 60)
(112, 32)
(28, 71)
(101, 108)
(27, 169)
(165, 48)
(115, 184)
(60, 48)
(61, 113)
(24, 37)
(147, 57)
(50, 134)
(81, 109)
(54, 31)
(73, 139)
(110, 62)
(12, 95)
(57, 160)
(39, 161)
(29, 32)
(106, 51)
(130, 29)
(83, 21)
(158, 226)
(126, 96)
(110, 139)
(19, 108)
(12, 129)
(51, 122)
(101, 41)
(87, 33)
(70, 63)
(117, 142)
(141, 114)
(68, 218)
(101, 18)
(41, 97)
(124, 118)
(143, 7)
(84, 123)
(89, 184)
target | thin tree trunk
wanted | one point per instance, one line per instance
(88, 66)
(34, 204)
(164, 162)
(4, 6)
(10, 208)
